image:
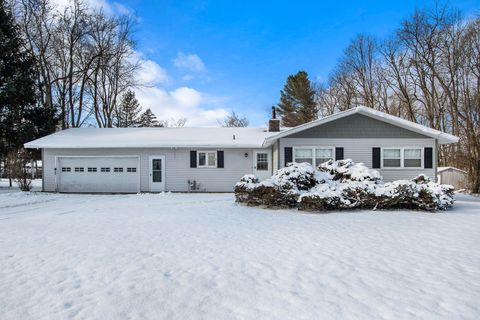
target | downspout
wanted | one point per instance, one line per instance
(43, 170)
(436, 161)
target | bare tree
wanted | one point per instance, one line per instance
(84, 57)
(427, 72)
(234, 120)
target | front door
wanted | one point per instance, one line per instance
(157, 173)
(262, 164)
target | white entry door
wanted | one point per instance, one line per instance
(157, 173)
(262, 164)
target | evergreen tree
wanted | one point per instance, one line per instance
(297, 100)
(148, 119)
(21, 118)
(128, 111)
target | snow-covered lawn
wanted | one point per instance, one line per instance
(200, 256)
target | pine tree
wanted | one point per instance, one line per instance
(297, 100)
(21, 118)
(148, 119)
(128, 111)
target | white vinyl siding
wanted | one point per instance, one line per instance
(177, 167)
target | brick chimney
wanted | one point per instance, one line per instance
(274, 123)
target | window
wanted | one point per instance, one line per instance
(314, 156)
(117, 169)
(131, 169)
(262, 161)
(90, 169)
(66, 169)
(392, 158)
(105, 169)
(322, 155)
(304, 155)
(402, 157)
(79, 169)
(207, 159)
(412, 158)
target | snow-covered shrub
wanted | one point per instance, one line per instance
(321, 198)
(359, 195)
(347, 170)
(249, 178)
(297, 176)
(341, 185)
(419, 193)
(264, 193)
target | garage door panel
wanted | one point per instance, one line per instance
(98, 174)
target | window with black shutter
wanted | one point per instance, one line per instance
(193, 159)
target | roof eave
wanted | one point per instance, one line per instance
(246, 146)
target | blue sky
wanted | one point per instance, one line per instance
(209, 57)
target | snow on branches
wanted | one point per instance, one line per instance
(339, 185)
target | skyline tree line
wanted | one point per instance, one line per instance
(427, 71)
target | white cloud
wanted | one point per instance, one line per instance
(150, 73)
(187, 77)
(189, 62)
(107, 6)
(184, 102)
(97, 4)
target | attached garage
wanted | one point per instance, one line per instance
(112, 174)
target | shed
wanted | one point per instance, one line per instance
(453, 176)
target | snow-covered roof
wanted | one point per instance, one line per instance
(207, 137)
(443, 138)
(441, 169)
(153, 138)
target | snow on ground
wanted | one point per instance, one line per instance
(5, 185)
(200, 256)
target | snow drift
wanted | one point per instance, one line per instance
(339, 185)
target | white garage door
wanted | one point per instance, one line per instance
(98, 174)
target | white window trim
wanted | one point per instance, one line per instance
(402, 158)
(314, 155)
(206, 159)
(267, 161)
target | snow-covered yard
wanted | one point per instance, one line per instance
(200, 256)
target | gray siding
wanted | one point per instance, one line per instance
(357, 126)
(360, 150)
(177, 167)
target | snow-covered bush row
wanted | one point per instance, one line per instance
(339, 185)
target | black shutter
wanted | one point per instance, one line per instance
(428, 158)
(220, 159)
(376, 158)
(288, 155)
(193, 159)
(339, 153)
